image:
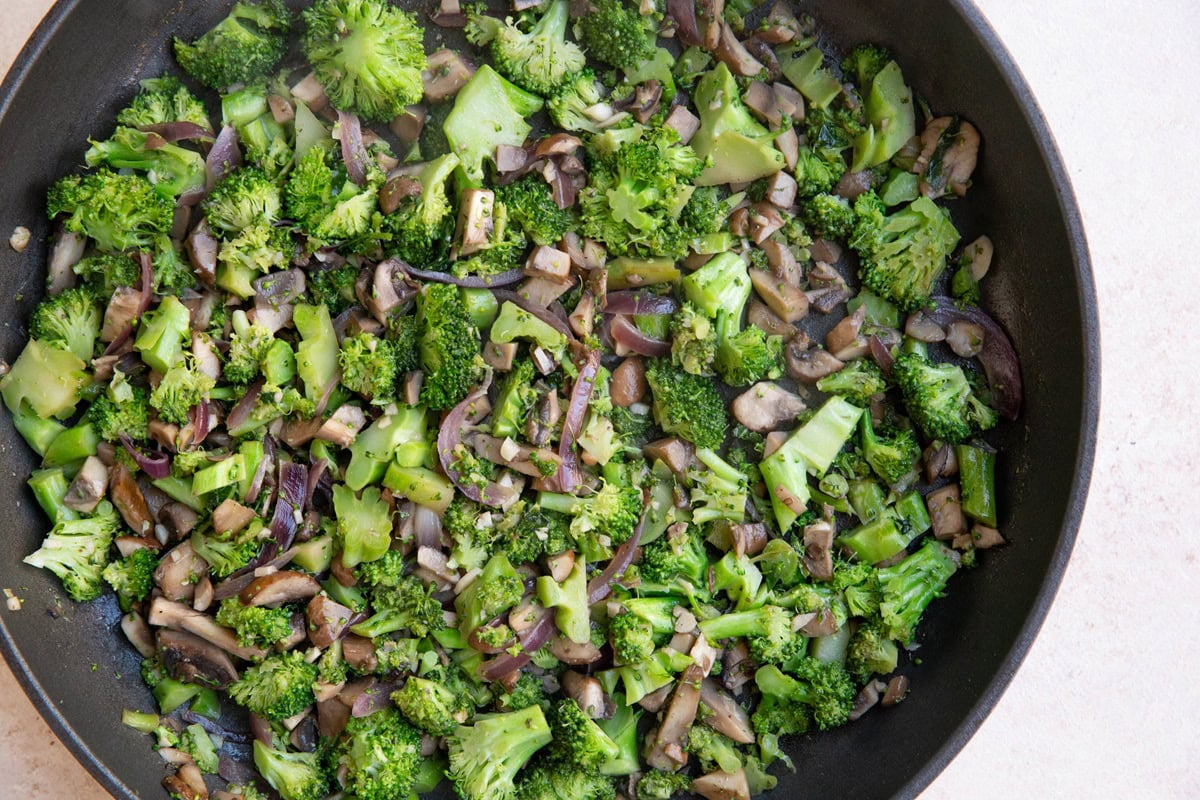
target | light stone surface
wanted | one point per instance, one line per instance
(1105, 706)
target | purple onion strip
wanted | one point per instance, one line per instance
(156, 465)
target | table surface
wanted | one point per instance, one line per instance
(1104, 705)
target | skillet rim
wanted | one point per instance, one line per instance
(1068, 206)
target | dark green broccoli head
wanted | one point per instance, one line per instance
(70, 321)
(277, 688)
(77, 552)
(486, 756)
(687, 405)
(103, 273)
(333, 288)
(120, 212)
(902, 256)
(631, 637)
(693, 341)
(818, 172)
(369, 367)
(546, 779)
(242, 199)
(530, 204)
(613, 32)
(255, 626)
(858, 382)
(940, 399)
(421, 229)
(535, 534)
(449, 347)
(870, 653)
(828, 216)
(568, 106)
(817, 688)
(528, 691)
(681, 553)
(909, 587)
(380, 754)
(367, 54)
(892, 452)
(132, 578)
(577, 737)
(243, 46)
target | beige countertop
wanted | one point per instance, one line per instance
(1105, 705)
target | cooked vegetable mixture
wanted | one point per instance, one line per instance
(576, 413)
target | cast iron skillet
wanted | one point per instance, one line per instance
(81, 67)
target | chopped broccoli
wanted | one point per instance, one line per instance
(317, 351)
(369, 367)
(818, 171)
(120, 212)
(243, 198)
(693, 341)
(163, 100)
(539, 60)
(404, 605)
(449, 347)
(181, 388)
(132, 578)
(243, 46)
(296, 776)
(255, 626)
(227, 554)
(613, 32)
(248, 346)
(487, 96)
(364, 524)
(909, 587)
(422, 227)
(865, 62)
(332, 208)
(367, 54)
(713, 750)
(631, 637)
(546, 779)
(828, 216)
(45, 380)
(687, 405)
(680, 554)
(768, 629)
(940, 399)
(719, 490)
(537, 533)
(530, 204)
(891, 456)
(485, 756)
(658, 785)
(607, 517)
(430, 706)
(278, 687)
(577, 738)
(515, 400)
(333, 288)
(870, 653)
(104, 273)
(76, 550)
(858, 382)
(171, 168)
(818, 690)
(497, 589)
(69, 320)
(471, 540)
(902, 255)
(738, 147)
(380, 754)
(572, 105)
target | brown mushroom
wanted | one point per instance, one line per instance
(359, 654)
(782, 262)
(818, 549)
(187, 657)
(548, 262)
(231, 516)
(387, 290)
(539, 426)
(128, 499)
(628, 382)
(202, 247)
(723, 786)
(665, 749)
(965, 338)
(734, 54)
(673, 451)
(178, 572)
(343, 426)
(866, 699)
(541, 291)
(760, 99)
(203, 598)
(945, 512)
(845, 340)
(572, 653)
(511, 158)
(396, 190)
(327, 620)
(587, 692)
(88, 487)
(985, 537)
(739, 667)
(896, 691)
(178, 519)
(559, 565)
(187, 783)
(408, 126)
(978, 255)
(654, 701)
(683, 122)
(446, 73)
(176, 616)
(810, 365)
(940, 461)
(310, 92)
(788, 143)
(766, 406)
(332, 716)
(499, 355)
(764, 220)
(822, 622)
(727, 717)
(517, 456)
(762, 317)
(134, 626)
(748, 538)
(920, 327)
(284, 586)
(784, 298)
(476, 221)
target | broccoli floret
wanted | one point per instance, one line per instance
(243, 46)
(909, 587)
(515, 400)
(632, 428)
(514, 322)
(527, 692)
(69, 320)
(132, 578)
(487, 96)
(296, 776)
(569, 106)
(181, 388)
(539, 60)
(333, 288)
(530, 204)
(721, 285)
(823, 691)
(380, 754)
(124, 409)
(901, 256)
(828, 216)
(636, 194)
(163, 100)
(612, 513)
(485, 756)
(255, 626)
(719, 490)
(103, 273)
(693, 341)
(248, 346)
(769, 630)
(740, 147)
(331, 207)
(364, 524)
(226, 555)
(613, 32)
(387, 571)
(537, 533)
(76, 550)
(746, 355)
(405, 605)
(497, 589)
(546, 779)
(831, 131)
(430, 706)
(858, 382)
(631, 637)
(120, 212)
(940, 399)
(422, 227)
(577, 738)
(252, 252)
(865, 62)
(817, 172)
(172, 169)
(244, 198)
(687, 405)
(891, 456)
(870, 653)
(277, 688)
(658, 785)
(172, 271)
(368, 55)
(471, 540)
(713, 750)
(449, 347)
(680, 554)
(369, 367)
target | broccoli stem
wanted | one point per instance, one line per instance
(867, 499)
(49, 488)
(977, 478)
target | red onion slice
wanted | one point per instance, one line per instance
(687, 29)
(600, 586)
(200, 416)
(319, 468)
(156, 465)
(581, 393)
(241, 412)
(450, 438)
(265, 464)
(293, 478)
(224, 157)
(191, 717)
(178, 131)
(234, 771)
(883, 356)
(629, 336)
(375, 697)
(644, 303)
(354, 152)
(998, 356)
(532, 639)
(144, 300)
(469, 282)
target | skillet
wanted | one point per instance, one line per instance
(82, 65)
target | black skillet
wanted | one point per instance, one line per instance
(82, 66)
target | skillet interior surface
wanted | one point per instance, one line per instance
(82, 66)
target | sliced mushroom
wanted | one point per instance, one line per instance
(766, 406)
(548, 262)
(788, 143)
(446, 74)
(499, 355)
(760, 99)
(476, 221)
(559, 566)
(748, 538)
(332, 716)
(964, 338)
(822, 622)
(734, 54)
(539, 426)
(666, 748)
(845, 341)
(979, 257)
(518, 456)
(88, 488)
(866, 699)
(739, 667)
(818, 549)
(187, 783)
(810, 365)
(359, 654)
(761, 316)
(940, 461)
(920, 327)
(723, 786)
(572, 653)
(203, 598)
(231, 516)
(187, 657)
(396, 191)
(897, 690)
(310, 92)
(202, 247)
(683, 122)
(408, 126)
(985, 537)
(121, 312)
(278, 588)
(176, 616)
(587, 692)
(959, 156)
(134, 626)
(557, 144)
(178, 519)
(179, 571)
(764, 220)
(945, 512)
(703, 655)
(783, 297)
(673, 451)
(727, 717)
(628, 382)
(655, 701)
(343, 426)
